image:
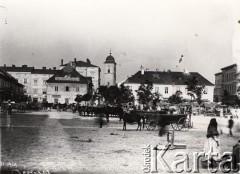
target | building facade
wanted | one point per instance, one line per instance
(167, 83)
(39, 78)
(218, 87)
(10, 89)
(230, 81)
(22, 75)
(110, 71)
(86, 69)
(65, 85)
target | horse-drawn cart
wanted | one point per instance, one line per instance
(157, 119)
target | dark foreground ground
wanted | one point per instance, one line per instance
(53, 142)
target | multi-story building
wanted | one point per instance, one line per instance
(22, 75)
(230, 81)
(86, 69)
(167, 83)
(218, 87)
(38, 83)
(10, 89)
(66, 84)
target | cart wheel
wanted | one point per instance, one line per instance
(151, 125)
(183, 124)
(175, 126)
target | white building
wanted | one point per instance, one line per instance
(23, 76)
(38, 83)
(65, 85)
(167, 83)
(110, 71)
(86, 69)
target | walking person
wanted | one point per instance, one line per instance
(230, 126)
(211, 144)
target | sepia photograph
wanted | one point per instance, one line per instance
(119, 86)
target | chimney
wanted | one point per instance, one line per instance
(62, 62)
(54, 68)
(24, 66)
(12, 65)
(75, 59)
(73, 64)
(44, 67)
(142, 70)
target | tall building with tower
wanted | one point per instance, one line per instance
(110, 71)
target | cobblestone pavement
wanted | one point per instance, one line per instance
(62, 142)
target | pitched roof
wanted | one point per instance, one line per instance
(68, 75)
(81, 64)
(166, 78)
(8, 77)
(45, 71)
(13, 68)
(228, 67)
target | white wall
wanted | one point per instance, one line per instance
(61, 94)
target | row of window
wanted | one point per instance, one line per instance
(67, 88)
(230, 88)
(166, 90)
(228, 77)
(4, 84)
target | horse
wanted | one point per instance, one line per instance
(131, 118)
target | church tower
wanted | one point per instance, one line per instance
(110, 71)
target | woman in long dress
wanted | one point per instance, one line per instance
(212, 142)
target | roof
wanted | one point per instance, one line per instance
(81, 64)
(68, 75)
(218, 73)
(229, 67)
(8, 77)
(44, 71)
(110, 59)
(166, 78)
(13, 68)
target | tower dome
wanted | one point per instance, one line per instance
(110, 59)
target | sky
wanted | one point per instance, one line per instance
(151, 33)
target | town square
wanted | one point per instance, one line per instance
(119, 86)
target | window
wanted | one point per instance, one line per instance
(108, 70)
(156, 89)
(67, 88)
(44, 92)
(35, 91)
(166, 90)
(25, 81)
(66, 100)
(56, 88)
(108, 83)
(55, 100)
(205, 91)
(77, 89)
(35, 81)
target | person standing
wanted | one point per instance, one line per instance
(230, 126)
(211, 144)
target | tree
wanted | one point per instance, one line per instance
(175, 98)
(78, 98)
(144, 92)
(156, 98)
(195, 89)
(125, 95)
(109, 93)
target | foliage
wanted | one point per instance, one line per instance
(156, 98)
(144, 92)
(175, 98)
(125, 95)
(195, 89)
(78, 98)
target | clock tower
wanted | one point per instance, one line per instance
(110, 71)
